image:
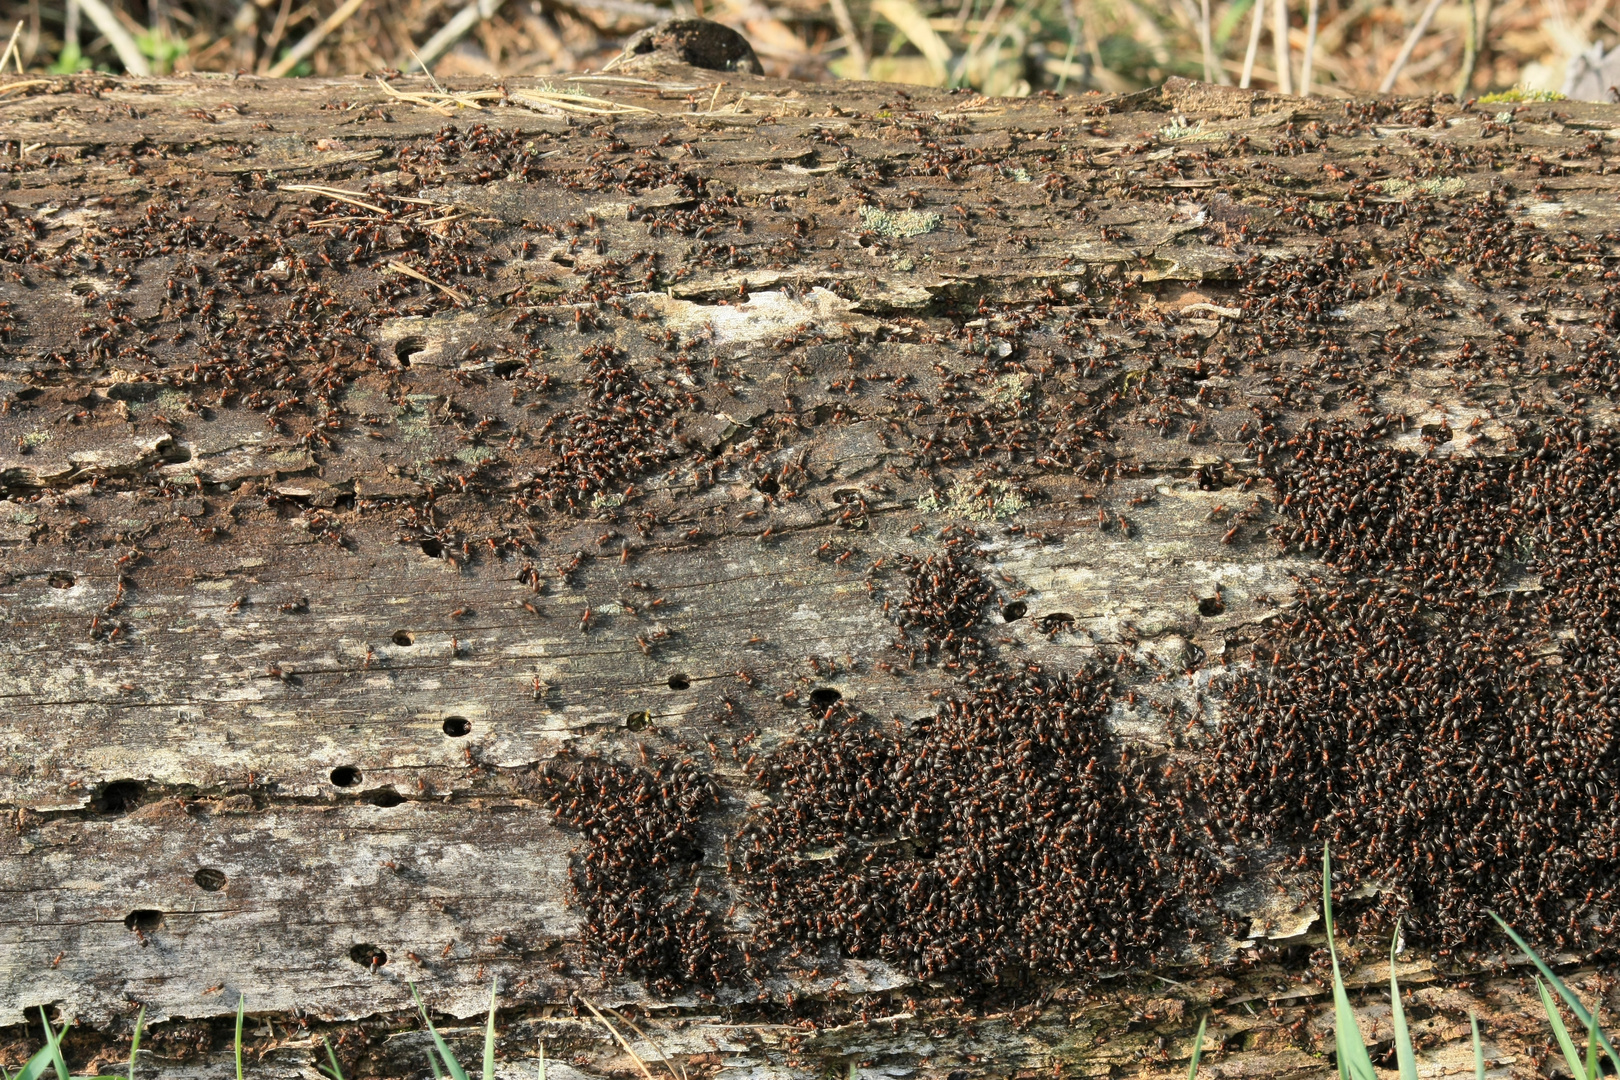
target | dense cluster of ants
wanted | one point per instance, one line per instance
(1437, 700)
(638, 877)
(1443, 712)
(1006, 834)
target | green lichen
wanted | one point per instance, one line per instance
(603, 501)
(992, 501)
(1520, 94)
(901, 223)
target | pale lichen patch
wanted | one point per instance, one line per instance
(899, 224)
(992, 501)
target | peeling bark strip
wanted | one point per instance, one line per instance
(873, 578)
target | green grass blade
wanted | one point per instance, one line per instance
(53, 1043)
(1405, 1059)
(241, 1011)
(433, 1063)
(1479, 1051)
(1198, 1050)
(1564, 992)
(1591, 1050)
(1354, 1061)
(489, 1035)
(450, 1062)
(542, 1061)
(35, 1067)
(1560, 1032)
(49, 1056)
(336, 1070)
(135, 1043)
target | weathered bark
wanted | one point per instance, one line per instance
(301, 591)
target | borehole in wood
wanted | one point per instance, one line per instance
(61, 579)
(1211, 605)
(118, 797)
(432, 548)
(638, 721)
(383, 797)
(1014, 611)
(823, 697)
(144, 920)
(768, 485)
(404, 637)
(209, 880)
(368, 956)
(456, 726)
(345, 776)
(407, 347)
(679, 681)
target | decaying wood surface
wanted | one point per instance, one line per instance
(324, 585)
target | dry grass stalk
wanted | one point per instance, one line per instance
(1418, 30)
(1256, 21)
(454, 294)
(312, 40)
(993, 47)
(1307, 74)
(1279, 42)
(620, 1039)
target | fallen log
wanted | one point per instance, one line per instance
(866, 577)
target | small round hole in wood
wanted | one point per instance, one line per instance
(368, 956)
(62, 580)
(143, 920)
(824, 697)
(384, 797)
(638, 721)
(407, 347)
(345, 776)
(680, 682)
(404, 638)
(209, 880)
(1014, 611)
(457, 726)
